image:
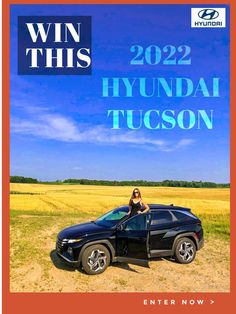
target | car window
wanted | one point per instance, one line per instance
(138, 222)
(111, 218)
(161, 217)
(180, 216)
(183, 215)
(117, 215)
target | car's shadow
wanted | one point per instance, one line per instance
(129, 266)
(170, 259)
(162, 258)
(123, 266)
(60, 264)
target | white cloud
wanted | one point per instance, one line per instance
(60, 128)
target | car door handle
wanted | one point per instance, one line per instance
(177, 228)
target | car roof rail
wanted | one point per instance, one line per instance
(155, 207)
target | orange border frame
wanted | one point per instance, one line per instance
(38, 303)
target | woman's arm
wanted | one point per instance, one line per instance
(146, 208)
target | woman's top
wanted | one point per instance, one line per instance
(135, 207)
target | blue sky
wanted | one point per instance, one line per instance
(59, 124)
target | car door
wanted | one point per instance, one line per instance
(132, 240)
(163, 229)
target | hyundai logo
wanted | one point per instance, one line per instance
(208, 14)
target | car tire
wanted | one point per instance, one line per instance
(95, 259)
(185, 251)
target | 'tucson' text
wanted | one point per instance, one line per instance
(161, 119)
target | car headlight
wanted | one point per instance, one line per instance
(73, 240)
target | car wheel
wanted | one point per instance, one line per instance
(185, 251)
(95, 259)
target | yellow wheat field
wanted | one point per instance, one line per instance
(90, 198)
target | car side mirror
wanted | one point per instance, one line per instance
(121, 227)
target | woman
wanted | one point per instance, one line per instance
(136, 203)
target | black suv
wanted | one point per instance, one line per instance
(115, 237)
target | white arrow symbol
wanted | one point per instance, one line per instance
(212, 301)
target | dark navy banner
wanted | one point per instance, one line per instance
(54, 45)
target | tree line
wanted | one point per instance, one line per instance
(21, 179)
(167, 183)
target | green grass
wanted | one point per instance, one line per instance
(32, 231)
(217, 226)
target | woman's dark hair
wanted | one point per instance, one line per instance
(133, 194)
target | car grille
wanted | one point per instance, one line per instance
(60, 245)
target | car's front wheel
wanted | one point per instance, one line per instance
(185, 251)
(95, 259)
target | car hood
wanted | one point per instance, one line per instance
(80, 230)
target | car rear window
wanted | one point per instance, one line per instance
(183, 215)
(161, 217)
(179, 215)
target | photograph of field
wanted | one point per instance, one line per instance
(39, 211)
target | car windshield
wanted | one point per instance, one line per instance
(111, 218)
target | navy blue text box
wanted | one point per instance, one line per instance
(54, 45)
